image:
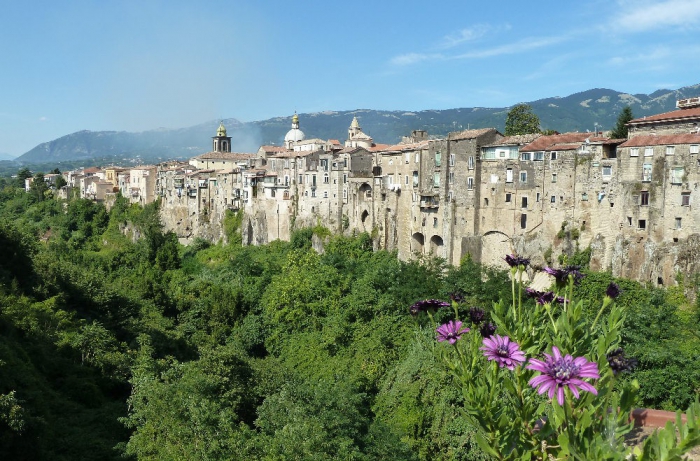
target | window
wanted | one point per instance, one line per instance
(509, 175)
(325, 194)
(501, 153)
(523, 176)
(523, 202)
(677, 175)
(438, 159)
(646, 172)
(435, 222)
(554, 177)
(644, 198)
(301, 179)
(670, 150)
(642, 224)
(486, 201)
(523, 221)
(451, 177)
(607, 171)
(408, 157)
(313, 192)
(508, 195)
(345, 178)
(313, 180)
(417, 157)
(406, 180)
(685, 198)
(345, 193)
(452, 159)
(325, 179)
(629, 221)
(436, 180)
(537, 197)
(488, 154)
(553, 199)
(526, 156)
(415, 179)
(695, 149)
(648, 151)
(470, 183)
(538, 156)
(634, 151)
(678, 223)
(470, 162)
(553, 155)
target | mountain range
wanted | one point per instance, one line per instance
(585, 111)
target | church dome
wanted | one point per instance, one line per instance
(295, 134)
(221, 131)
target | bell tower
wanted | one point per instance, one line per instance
(222, 143)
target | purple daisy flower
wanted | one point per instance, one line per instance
(516, 261)
(476, 315)
(427, 305)
(613, 290)
(457, 297)
(487, 329)
(505, 352)
(543, 297)
(619, 363)
(560, 372)
(451, 331)
(562, 275)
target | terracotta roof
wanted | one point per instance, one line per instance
(469, 134)
(225, 156)
(92, 169)
(378, 147)
(662, 140)
(549, 142)
(405, 147)
(517, 140)
(273, 148)
(680, 114)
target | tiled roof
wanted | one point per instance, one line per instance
(661, 140)
(405, 147)
(548, 142)
(225, 156)
(379, 147)
(469, 134)
(693, 112)
(271, 149)
(517, 140)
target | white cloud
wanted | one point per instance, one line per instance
(471, 34)
(642, 16)
(43, 119)
(520, 46)
(526, 44)
(413, 58)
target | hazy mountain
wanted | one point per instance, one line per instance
(5, 156)
(577, 112)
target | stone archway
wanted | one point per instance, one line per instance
(437, 246)
(417, 242)
(365, 192)
(364, 216)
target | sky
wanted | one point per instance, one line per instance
(126, 65)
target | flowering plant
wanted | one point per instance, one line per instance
(539, 382)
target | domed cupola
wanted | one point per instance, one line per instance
(295, 134)
(221, 142)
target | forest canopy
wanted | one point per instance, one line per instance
(116, 342)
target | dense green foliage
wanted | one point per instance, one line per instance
(521, 120)
(620, 130)
(116, 341)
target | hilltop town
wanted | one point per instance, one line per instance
(474, 192)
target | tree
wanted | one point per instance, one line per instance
(23, 174)
(521, 120)
(620, 131)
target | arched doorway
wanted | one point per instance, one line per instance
(365, 192)
(417, 242)
(437, 246)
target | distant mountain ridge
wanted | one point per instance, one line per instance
(587, 110)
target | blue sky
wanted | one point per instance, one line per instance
(139, 65)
